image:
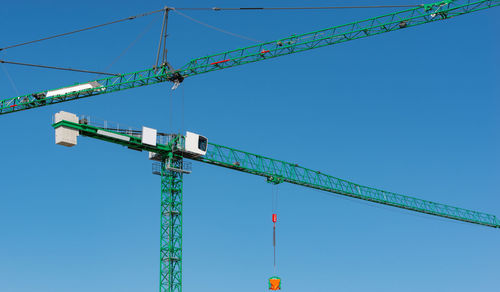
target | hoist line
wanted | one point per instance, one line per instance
(275, 213)
(84, 29)
(58, 68)
(274, 246)
(182, 111)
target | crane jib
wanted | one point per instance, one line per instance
(427, 13)
(277, 171)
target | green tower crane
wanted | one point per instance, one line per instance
(426, 13)
(172, 149)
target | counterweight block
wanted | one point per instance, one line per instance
(66, 136)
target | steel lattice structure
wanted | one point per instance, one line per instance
(280, 171)
(427, 13)
(171, 227)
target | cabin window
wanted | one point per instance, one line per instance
(202, 143)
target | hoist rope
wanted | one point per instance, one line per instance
(275, 199)
(58, 68)
(170, 108)
(275, 212)
(274, 253)
(182, 111)
(216, 28)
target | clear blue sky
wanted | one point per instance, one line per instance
(414, 111)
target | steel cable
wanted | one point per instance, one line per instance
(216, 28)
(209, 9)
(83, 29)
(298, 8)
(58, 68)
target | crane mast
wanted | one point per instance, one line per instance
(427, 13)
(171, 224)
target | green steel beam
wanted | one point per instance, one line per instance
(171, 226)
(127, 140)
(277, 171)
(427, 13)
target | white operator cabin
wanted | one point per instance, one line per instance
(195, 144)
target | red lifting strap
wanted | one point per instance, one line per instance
(275, 218)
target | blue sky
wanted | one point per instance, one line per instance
(414, 112)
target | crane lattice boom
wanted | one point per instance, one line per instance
(278, 171)
(427, 13)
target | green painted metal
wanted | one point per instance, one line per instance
(277, 171)
(337, 34)
(133, 143)
(427, 13)
(171, 226)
